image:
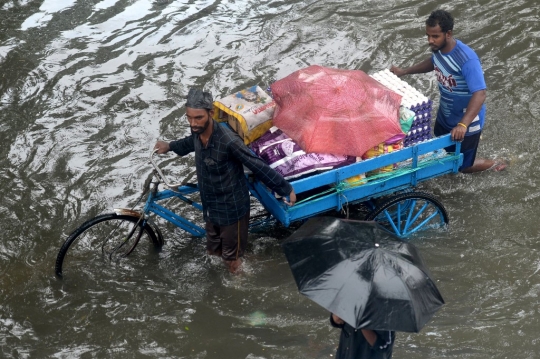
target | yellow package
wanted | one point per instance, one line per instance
(382, 149)
(356, 180)
(249, 112)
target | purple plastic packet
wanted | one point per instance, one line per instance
(287, 158)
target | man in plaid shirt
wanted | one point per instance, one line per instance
(220, 155)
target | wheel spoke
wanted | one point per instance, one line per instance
(411, 211)
(112, 233)
(408, 213)
(420, 211)
(391, 221)
(399, 216)
(103, 237)
(423, 223)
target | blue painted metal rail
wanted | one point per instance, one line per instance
(335, 200)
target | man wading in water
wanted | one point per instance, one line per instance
(220, 155)
(462, 87)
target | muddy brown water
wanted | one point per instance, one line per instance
(86, 87)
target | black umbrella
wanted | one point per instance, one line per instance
(363, 274)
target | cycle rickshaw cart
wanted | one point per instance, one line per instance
(402, 211)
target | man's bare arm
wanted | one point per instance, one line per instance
(419, 68)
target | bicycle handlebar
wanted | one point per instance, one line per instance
(160, 173)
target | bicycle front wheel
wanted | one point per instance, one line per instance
(108, 236)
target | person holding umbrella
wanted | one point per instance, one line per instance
(373, 283)
(362, 343)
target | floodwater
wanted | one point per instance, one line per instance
(86, 87)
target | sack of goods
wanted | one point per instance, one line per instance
(249, 112)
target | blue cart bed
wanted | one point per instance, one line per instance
(402, 214)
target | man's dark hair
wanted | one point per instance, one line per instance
(200, 99)
(441, 18)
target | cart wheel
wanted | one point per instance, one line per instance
(407, 213)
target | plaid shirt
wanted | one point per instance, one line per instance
(222, 183)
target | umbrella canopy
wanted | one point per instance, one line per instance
(363, 274)
(342, 112)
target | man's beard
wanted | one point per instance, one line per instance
(438, 47)
(200, 129)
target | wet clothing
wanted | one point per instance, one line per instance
(228, 241)
(459, 74)
(353, 344)
(220, 173)
(469, 145)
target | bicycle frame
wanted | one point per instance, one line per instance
(151, 206)
(180, 191)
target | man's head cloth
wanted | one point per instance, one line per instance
(197, 98)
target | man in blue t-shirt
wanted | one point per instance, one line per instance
(463, 90)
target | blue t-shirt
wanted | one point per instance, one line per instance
(459, 74)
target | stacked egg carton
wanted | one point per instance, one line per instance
(413, 100)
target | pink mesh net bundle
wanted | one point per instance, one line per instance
(342, 112)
